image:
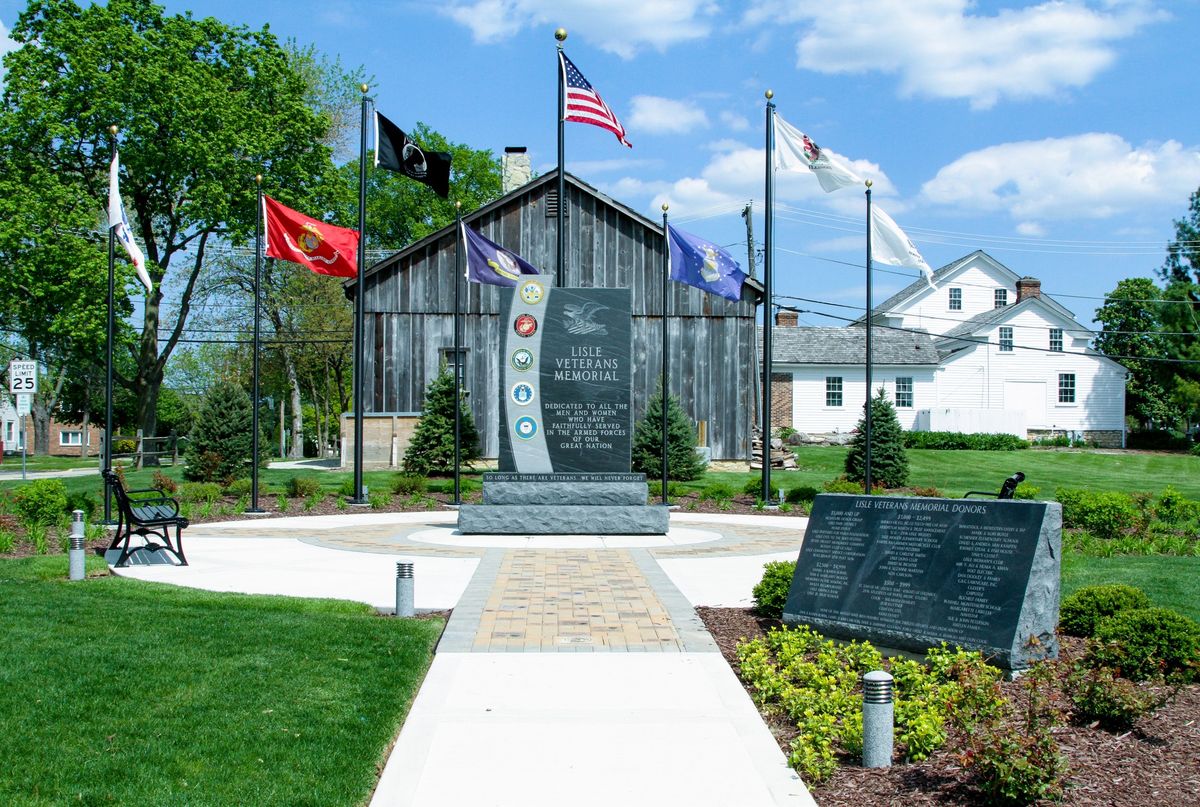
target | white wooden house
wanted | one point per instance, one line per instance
(982, 350)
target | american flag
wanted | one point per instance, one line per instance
(584, 104)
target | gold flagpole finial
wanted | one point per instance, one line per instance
(364, 88)
(258, 179)
(665, 207)
(457, 205)
(770, 94)
(112, 130)
(561, 34)
(869, 183)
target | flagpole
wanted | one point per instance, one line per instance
(258, 251)
(458, 351)
(867, 418)
(108, 353)
(561, 36)
(768, 261)
(666, 355)
(360, 304)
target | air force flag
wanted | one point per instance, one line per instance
(704, 265)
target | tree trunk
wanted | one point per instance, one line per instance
(83, 438)
(297, 451)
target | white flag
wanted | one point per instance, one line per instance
(889, 244)
(119, 222)
(794, 151)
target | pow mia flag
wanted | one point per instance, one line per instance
(396, 151)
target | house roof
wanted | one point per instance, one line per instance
(944, 273)
(842, 346)
(550, 176)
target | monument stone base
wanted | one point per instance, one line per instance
(563, 504)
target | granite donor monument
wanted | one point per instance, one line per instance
(910, 573)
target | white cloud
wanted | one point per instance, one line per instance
(734, 122)
(622, 27)
(657, 115)
(1088, 176)
(939, 49)
(6, 46)
(735, 174)
(1031, 229)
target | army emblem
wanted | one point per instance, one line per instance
(525, 427)
(532, 292)
(525, 325)
(521, 359)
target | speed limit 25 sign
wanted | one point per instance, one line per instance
(22, 376)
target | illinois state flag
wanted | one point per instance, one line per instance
(795, 151)
(322, 247)
(705, 265)
(488, 262)
(889, 244)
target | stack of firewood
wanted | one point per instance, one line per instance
(781, 456)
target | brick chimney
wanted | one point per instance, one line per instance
(515, 168)
(786, 319)
(1028, 287)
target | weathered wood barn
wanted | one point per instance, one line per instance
(409, 326)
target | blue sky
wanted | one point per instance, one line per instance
(1061, 137)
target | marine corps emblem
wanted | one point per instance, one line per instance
(309, 240)
(525, 325)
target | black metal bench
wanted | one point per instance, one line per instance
(139, 513)
(1006, 490)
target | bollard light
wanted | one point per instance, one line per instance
(878, 716)
(404, 589)
(75, 555)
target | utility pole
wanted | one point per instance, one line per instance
(747, 214)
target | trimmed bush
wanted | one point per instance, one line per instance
(41, 501)
(1100, 695)
(301, 487)
(770, 593)
(78, 500)
(1173, 507)
(716, 492)
(801, 495)
(1026, 491)
(1082, 611)
(1158, 440)
(410, 484)
(1144, 643)
(958, 441)
(754, 488)
(207, 492)
(842, 485)
(1107, 514)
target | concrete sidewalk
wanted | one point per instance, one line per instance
(573, 668)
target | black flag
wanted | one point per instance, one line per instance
(396, 151)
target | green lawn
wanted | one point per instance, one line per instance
(1168, 581)
(116, 691)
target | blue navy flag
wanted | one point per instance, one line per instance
(488, 262)
(704, 265)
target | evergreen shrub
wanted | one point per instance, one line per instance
(79, 500)
(301, 487)
(410, 484)
(803, 494)
(684, 463)
(1081, 611)
(889, 462)
(432, 447)
(221, 441)
(1143, 643)
(753, 487)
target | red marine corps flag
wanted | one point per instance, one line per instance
(322, 247)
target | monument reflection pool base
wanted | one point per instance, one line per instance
(563, 504)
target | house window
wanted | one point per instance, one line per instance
(904, 393)
(833, 390)
(456, 362)
(956, 299)
(10, 435)
(1001, 298)
(70, 438)
(1006, 342)
(1056, 340)
(1066, 388)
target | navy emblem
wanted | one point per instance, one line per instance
(521, 359)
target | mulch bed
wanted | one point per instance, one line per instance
(1158, 763)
